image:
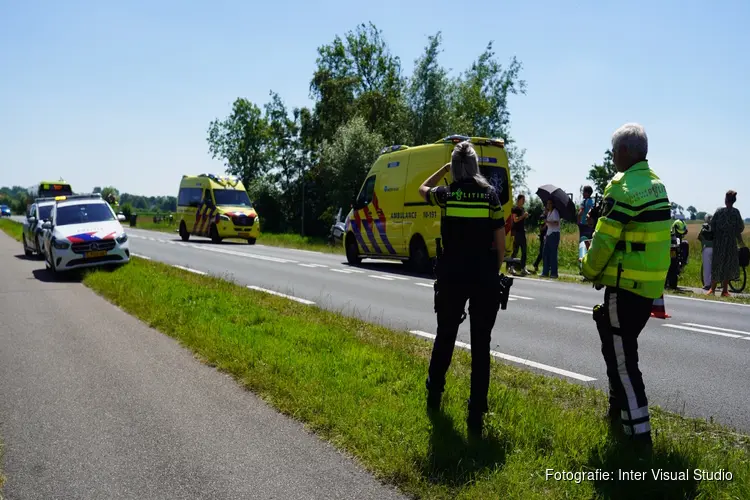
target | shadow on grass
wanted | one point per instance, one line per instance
(454, 461)
(619, 456)
(73, 276)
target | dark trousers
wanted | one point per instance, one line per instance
(585, 230)
(620, 320)
(541, 250)
(519, 243)
(484, 303)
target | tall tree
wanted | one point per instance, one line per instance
(480, 105)
(242, 141)
(600, 175)
(428, 96)
(692, 211)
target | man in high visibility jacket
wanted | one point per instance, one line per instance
(629, 256)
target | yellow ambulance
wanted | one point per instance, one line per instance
(389, 220)
(217, 207)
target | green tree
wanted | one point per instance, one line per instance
(110, 192)
(96, 190)
(242, 141)
(600, 175)
(693, 212)
(347, 159)
(428, 96)
(480, 106)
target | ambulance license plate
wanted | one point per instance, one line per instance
(244, 235)
(93, 255)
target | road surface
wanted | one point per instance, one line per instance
(694, 363)
(94, 404)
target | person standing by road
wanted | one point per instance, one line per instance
(629, 256)
(551, 242)
(472, 222)
(706, 237)
(542, 237)
(519, 231)
(727, 226)
(584, 228)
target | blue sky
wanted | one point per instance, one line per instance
(105, 93)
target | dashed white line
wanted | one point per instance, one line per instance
(702, 330)
(578, 309)
(387, 278)
(706, 301)
(520, 297)
(245, 254)
(424, 284)
(345, 271)
(290, 297)
(189, 269)
(518, 360)
(717, 328)
(140, 256)
(312, 265)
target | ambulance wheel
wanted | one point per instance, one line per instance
(214, 233)
(352, 251)
(251, 241)
(419, 260)
(184, 232)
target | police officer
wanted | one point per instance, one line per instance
(629, 256)
(472, 223)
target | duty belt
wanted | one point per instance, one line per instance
(634, 246)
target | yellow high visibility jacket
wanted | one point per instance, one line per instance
(630, 247)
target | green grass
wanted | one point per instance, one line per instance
(12, 228)
(361, 387)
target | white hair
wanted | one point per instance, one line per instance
(633, 139)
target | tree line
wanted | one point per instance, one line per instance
(301, 165)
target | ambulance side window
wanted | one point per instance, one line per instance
(366, 195)
(189, 197)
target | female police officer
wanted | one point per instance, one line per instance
(471, 221)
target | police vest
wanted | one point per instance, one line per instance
(631, 245)
(470, 215)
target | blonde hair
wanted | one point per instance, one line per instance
(465, 164)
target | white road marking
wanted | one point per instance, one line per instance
(515, 359)
(574, 309)
(520, 297)
(717, 328)
(245, 254)
(189, 269)
(701, 330)
(424, 284)
(388, 278)
(140, 256)
(312, 265)
(355, 271)
(345, 271)
(290, 297)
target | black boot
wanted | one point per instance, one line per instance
(434, 396)
(612, 415)
(474, 423)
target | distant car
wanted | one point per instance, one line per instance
(84, 231)
(5, 211)
(336, 234)
(32, 235)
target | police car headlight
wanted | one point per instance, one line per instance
(122, 238)
(60, 244)
(223, 217)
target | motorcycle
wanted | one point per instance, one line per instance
(679, 255)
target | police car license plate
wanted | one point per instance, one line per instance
(92, 255)
(244, 235)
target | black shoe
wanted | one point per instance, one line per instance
(612, 415)
(643, 446)
(474, 423)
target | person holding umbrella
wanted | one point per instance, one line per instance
(629, 257)
(551, 241)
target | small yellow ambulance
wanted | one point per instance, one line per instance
(217, 207)
(389, 219)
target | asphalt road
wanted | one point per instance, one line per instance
(94, 404)
(694, 363)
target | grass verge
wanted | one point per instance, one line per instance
(361, 387)
(12, 228)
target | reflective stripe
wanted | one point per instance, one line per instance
(608, 229)
(614, 320)
(646, 237)
(622, 371)
(641, 412)
(630, 274)
(642, 428)
(475, 213)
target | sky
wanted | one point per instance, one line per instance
(122, 93)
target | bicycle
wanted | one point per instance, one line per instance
(738, 285)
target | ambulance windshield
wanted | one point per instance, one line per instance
(232, 198)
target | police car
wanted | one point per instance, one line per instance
(5, 211)
(84, 231)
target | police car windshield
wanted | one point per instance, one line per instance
(232, 197)
(83, 213)
(44, 212)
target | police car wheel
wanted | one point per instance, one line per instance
(39, 247)
(26, 248)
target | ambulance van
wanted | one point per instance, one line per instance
(216, 207)
(389, 220)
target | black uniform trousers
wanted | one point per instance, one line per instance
(620, 321)
(450, 300)
(519, 243)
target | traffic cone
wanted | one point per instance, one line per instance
(658, 310)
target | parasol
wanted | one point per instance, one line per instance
(562, 202)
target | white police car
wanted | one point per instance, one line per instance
(84, 231)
